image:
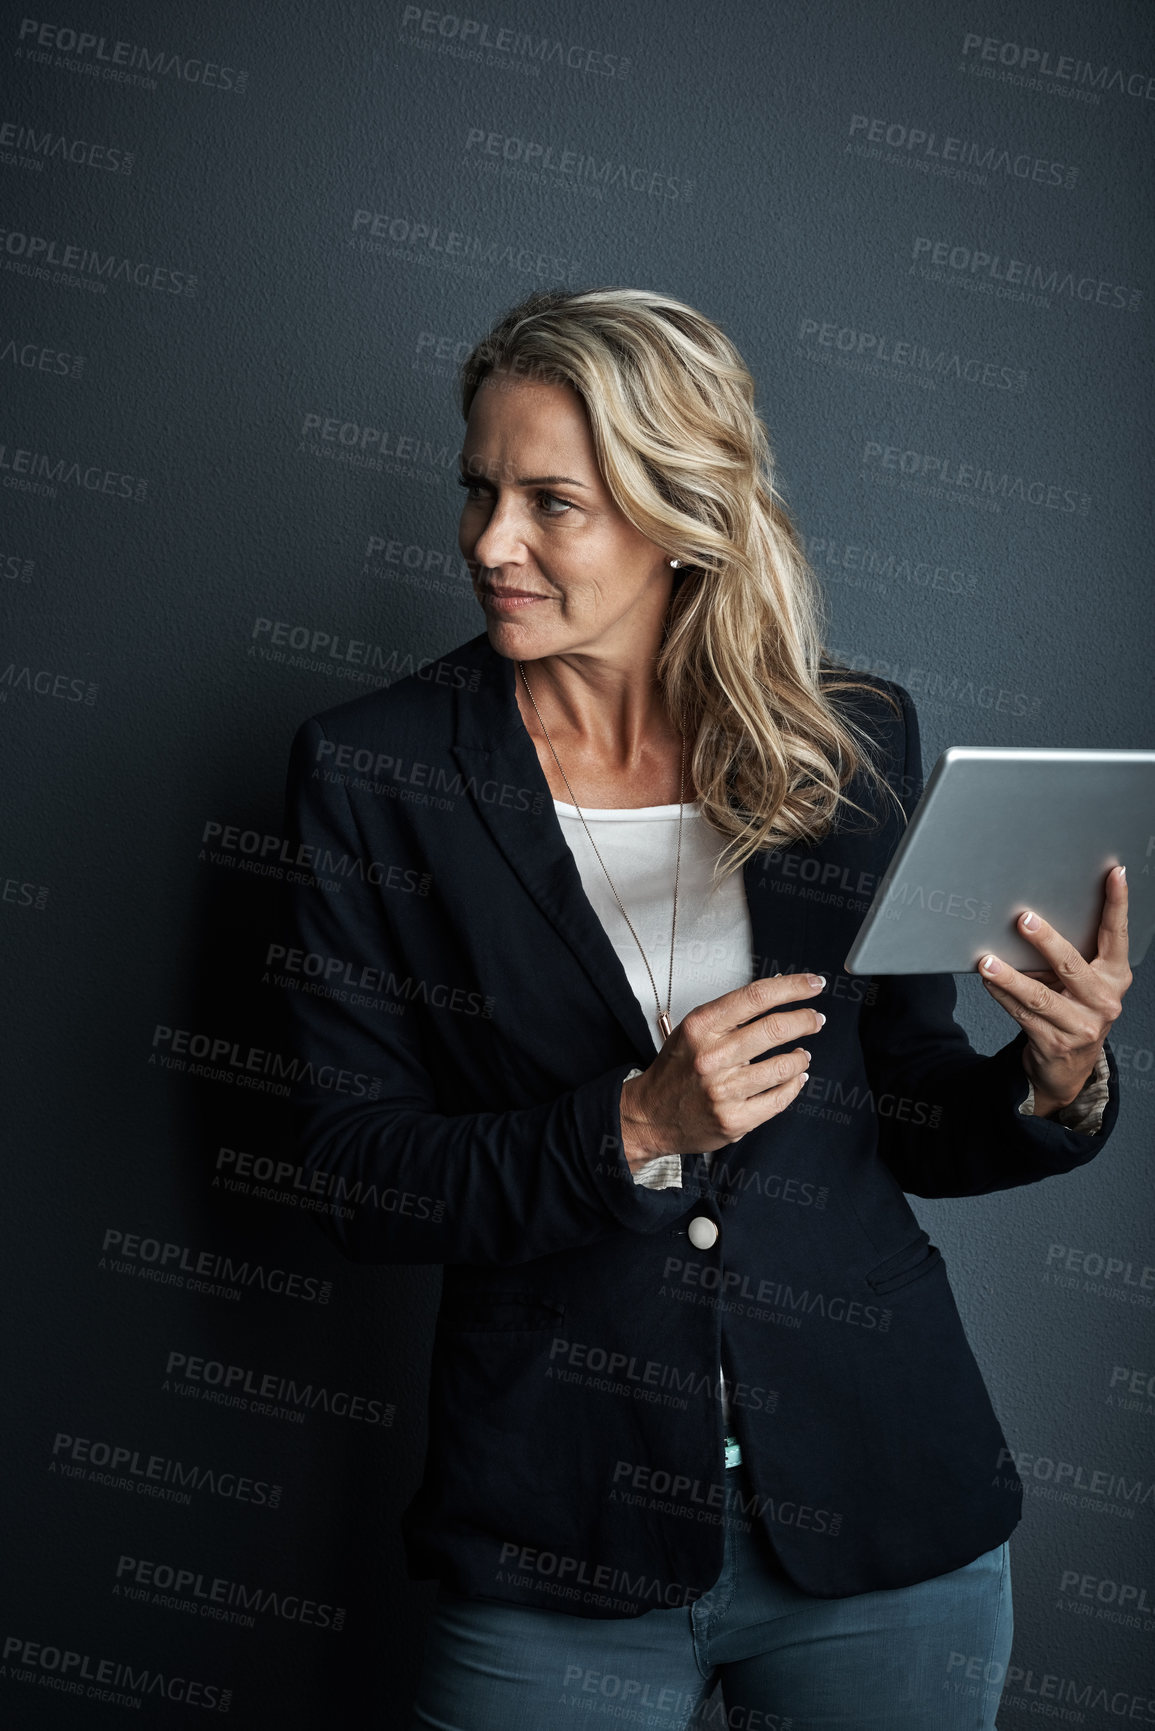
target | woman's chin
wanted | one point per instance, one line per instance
(513, 637)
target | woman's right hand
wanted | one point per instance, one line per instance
(703, 1091)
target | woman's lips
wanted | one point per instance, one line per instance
(510, 599)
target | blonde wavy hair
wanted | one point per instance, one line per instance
(688, 462)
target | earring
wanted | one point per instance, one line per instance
(676, 563)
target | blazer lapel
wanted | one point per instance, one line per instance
(491, 746)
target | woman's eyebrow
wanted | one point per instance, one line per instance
(535, 480)
(546, 481)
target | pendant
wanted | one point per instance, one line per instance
(665, 1024)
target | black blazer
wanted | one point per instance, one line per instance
(466, 1024)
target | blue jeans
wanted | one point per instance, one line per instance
(931, 1655)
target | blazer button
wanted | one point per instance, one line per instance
(703, 1233)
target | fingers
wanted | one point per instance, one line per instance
(741, 1025)
(1067, 1010)
(768, 1089)
(776, 1027)
(1113, 924)
(733, 1009)
(1072, 996)
(719, 1054)
(786, 1071)
(1094, 980)
(1038, 1009)
(1060, 1019)
(1058, 953)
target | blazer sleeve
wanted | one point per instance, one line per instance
(403, 1181)
(948, 1118)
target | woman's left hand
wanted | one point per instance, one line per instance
(1068, 1008)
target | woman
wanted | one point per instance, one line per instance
(702, 1408)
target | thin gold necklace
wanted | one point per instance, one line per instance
(664, 1022)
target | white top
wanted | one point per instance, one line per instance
(714, 941)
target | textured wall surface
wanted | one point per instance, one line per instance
(241, 250)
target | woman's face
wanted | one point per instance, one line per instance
(555, 564)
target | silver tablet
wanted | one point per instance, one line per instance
(1000, 829)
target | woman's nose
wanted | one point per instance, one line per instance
(500, 541)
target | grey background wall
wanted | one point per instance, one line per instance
(241, 250)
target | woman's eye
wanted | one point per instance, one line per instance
(474, 490)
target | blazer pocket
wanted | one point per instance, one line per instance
(504, 1312)
(911, 1263)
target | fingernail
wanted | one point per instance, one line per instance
(816, 979)
(821, 1018)
(990, 964)
(1030, 921)
(1122, 870)
(807, 1055)
(805, 1076)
